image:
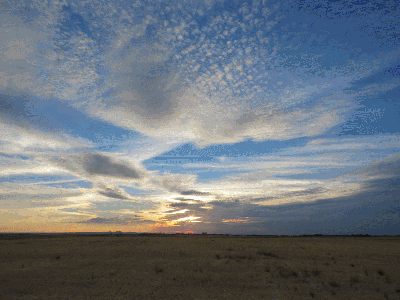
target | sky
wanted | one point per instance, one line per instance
(240, 117)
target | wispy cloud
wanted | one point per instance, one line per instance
(90, 92)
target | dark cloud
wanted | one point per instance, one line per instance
(179, 205)
(390, 166)
(229, 203)
(310, 191)
(192, 193)
(99, 164)
(183, 199)
(110, 193)
(373, 209)
(306, 192)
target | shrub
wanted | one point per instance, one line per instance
(287, 273)
(312, 294)
(380, 272)
(218, 256)
(334, 283)
(354, 280)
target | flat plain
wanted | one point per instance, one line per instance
(199, 267)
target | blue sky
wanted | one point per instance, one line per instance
(243, 117)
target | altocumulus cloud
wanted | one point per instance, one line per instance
(168, 73)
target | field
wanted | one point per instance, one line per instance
(199, 267)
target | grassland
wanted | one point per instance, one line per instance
(200, 267)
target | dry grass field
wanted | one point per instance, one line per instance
(199, 267)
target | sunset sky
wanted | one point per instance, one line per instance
(241, 117)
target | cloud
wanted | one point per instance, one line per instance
(222, 103)
(29, 195)
(109, 171)
(212, 80)
(388, 167)
(94, 165)
(113, 192)
(179, 205)
(192, 192)
(372, 208)
(117, 220)
(29, 141)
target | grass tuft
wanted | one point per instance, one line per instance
(380, 272)
(287, 273)
(312, 294)
(270, 254)
(334, 283)
(354, 280)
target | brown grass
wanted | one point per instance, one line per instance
(200, 267)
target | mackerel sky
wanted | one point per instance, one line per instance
(241, 117)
